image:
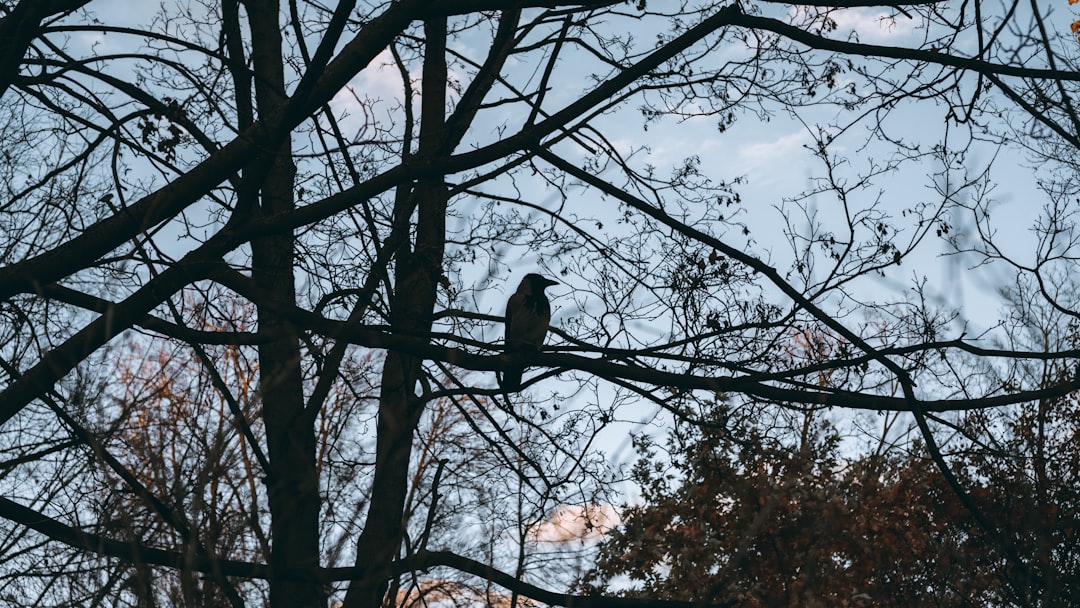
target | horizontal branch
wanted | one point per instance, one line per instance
(157, 324)
(895, 52)
(428, 559)
(56, 363)
(137, 553)
(131, 552)
(747, 385)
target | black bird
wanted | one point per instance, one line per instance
(528, 313)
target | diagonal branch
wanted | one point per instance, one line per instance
(19, 28)
(165, 203)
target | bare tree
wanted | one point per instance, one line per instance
(309, 214)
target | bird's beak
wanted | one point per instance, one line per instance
(548, 282)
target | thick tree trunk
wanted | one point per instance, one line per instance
(292, 482)
(417, 273)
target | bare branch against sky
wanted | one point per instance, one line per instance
(256, 255)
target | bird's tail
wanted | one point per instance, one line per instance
(510, 381)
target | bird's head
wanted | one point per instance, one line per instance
(537, 283)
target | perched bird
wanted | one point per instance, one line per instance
(528, 313)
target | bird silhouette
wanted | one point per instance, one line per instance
(528, 314)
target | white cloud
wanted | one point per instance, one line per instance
(575, 523)
(377, 91)
(368, 96)
(872, 25)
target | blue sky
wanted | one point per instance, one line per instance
(771, 156)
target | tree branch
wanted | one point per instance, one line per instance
(137, 553)
(749, 385)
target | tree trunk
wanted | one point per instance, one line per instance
(292, 483)
(417, 273)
